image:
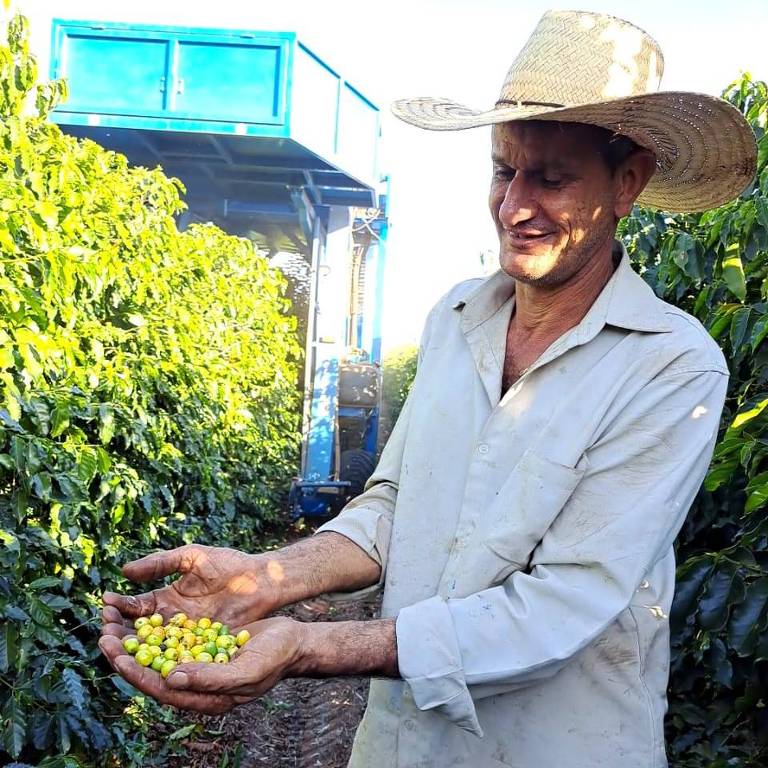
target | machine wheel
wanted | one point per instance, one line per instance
(356, 466)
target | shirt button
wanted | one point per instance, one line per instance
(483, 448)
(410, 725)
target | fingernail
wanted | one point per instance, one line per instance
(178, 679)
(133, 603)
(101, 646)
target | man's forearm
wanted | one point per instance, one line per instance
(326, 562)
(347, 648)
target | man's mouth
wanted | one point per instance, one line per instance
(523, 237)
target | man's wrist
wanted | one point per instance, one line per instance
(347, 648)
(310, 567)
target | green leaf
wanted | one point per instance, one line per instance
(184, 731)
(74, 687)
(87, 464)
(689, 583)
(103, 459)
(106, 425)
(124, 687)
(48, 212)
(40, 612)
(60, 761)
(746, 416)
(744, 626)
(720, 473)
(56, 602)
(14, 727)
(8, 645)
(757, 498)
(759, 332)
(733, 272)
(41, 730)
(60, 419)
(44, 582)
(41, 485)
(63, 736)
(739, 327)
(721, 320)
(713, 608)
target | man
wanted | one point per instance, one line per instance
(522, 515)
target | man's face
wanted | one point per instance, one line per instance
(553, 199)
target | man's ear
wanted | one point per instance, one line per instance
(630, 178)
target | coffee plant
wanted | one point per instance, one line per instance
(714, 265)
(147, 398)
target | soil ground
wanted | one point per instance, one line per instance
(300, 724)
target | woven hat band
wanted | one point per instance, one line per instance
(521, 103)
(574, 57)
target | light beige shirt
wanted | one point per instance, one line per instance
(526, 541)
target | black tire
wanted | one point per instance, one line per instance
(356, 466)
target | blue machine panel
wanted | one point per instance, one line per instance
(314, 102)
(96, 64)
(226, 81)
(196, 77)
(223, 83)
(358, 132)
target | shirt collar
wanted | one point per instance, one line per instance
(626, 301)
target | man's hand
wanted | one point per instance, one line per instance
(278, 648)
(228, 585)
(270, 655)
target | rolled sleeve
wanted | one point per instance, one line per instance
(642, 475)
(430, 662)
(367, 521)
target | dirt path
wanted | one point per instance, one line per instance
(299, 724)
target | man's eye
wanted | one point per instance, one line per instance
(503, 173)
(551, 182)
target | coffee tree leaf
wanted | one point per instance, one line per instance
(14, 727)
(8, 645)
(744, 626)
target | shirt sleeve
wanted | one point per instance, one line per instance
(367, 519)
(641, 477)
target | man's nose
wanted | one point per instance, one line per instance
(519, 202)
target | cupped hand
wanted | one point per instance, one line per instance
(230, 586)
(273, 652)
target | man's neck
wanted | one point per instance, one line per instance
(544, 312)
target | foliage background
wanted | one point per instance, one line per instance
(147, 398)
(715, 266)
(398, 369)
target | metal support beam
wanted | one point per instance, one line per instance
(330, 333)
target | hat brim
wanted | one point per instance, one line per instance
(705, 149)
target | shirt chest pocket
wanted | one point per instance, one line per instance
(508, 529)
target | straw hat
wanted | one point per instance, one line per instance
(590, 68)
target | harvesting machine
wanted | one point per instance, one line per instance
(271, 143)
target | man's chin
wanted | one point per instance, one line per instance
(529, 266)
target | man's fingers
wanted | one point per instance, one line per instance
(110, 615)
(214, 678)
(150, 682)
(115, 629)
(132, 606)
(160, 564)
(111, 645)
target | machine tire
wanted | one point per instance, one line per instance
(356, 466)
